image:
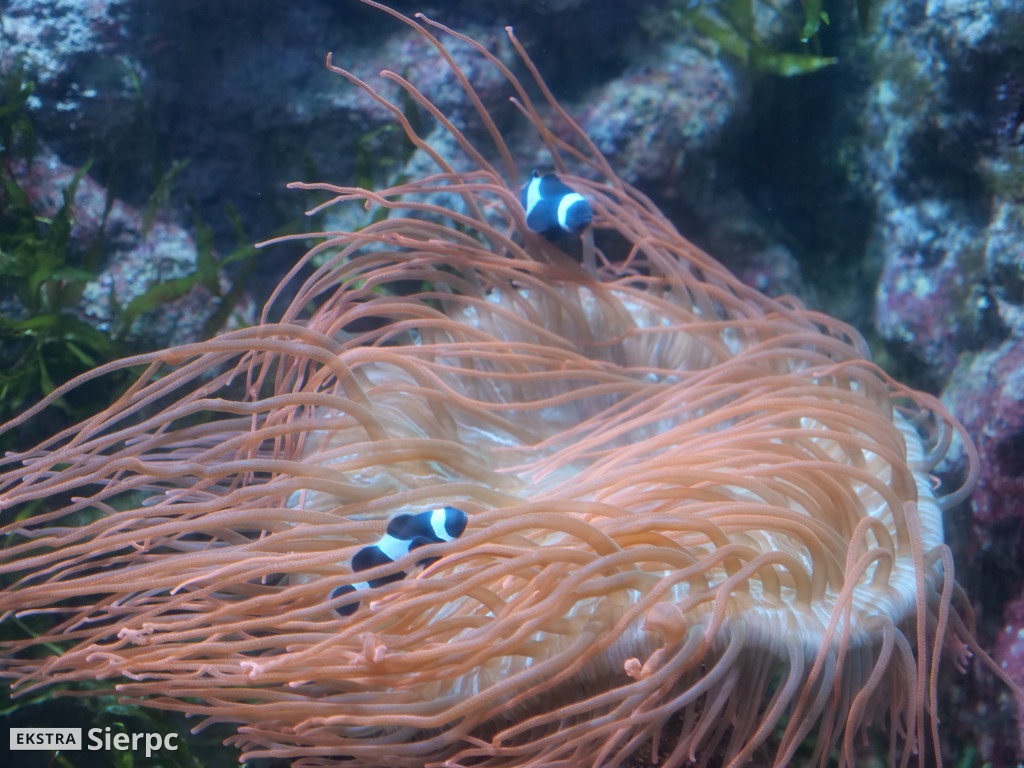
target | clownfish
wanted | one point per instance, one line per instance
(403, 534)
(553, 208)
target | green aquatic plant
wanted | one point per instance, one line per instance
(44, 340)
(733, 26)
(41, 341)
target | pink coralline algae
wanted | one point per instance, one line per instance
(987, 395)
(1009, 650)
(914, 310)
(930, 300)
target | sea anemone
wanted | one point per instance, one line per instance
(700, 520)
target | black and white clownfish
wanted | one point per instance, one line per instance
(403, 534)
(553, 208)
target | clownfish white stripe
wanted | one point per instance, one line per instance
(438, 520)
(564, 205)
(533, 195)
(393, 549)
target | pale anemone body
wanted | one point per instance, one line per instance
(687, 502)
(627, 420)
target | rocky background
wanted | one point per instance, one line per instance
(876, 171)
